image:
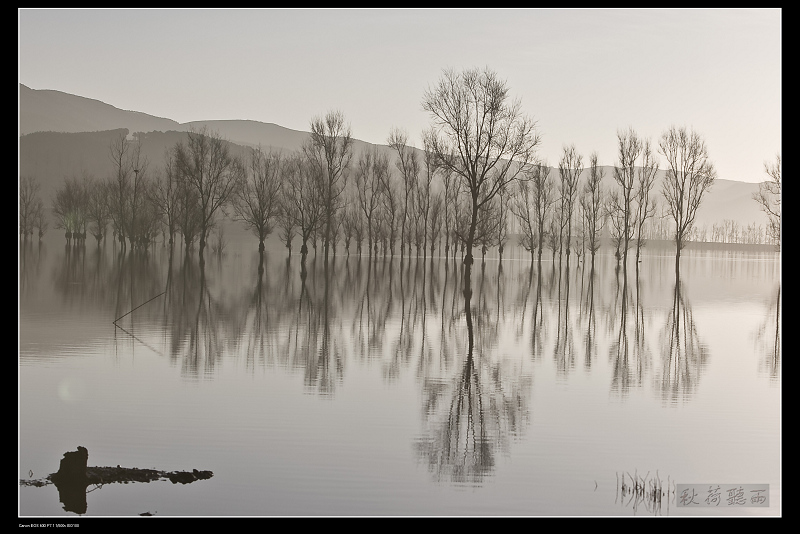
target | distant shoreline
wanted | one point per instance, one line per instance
(668, 244)
(712, 245)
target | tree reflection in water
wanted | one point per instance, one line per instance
(472, 412)
(768, 338)
(200, 332)
(538, 331)
(683, 354)
(316, 334)
(629, 351)
(30, 260)
(590, 338)
(464, 347)
(259, 347)
(564, 352)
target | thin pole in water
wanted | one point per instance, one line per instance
(137, 307)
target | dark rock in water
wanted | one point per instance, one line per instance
(71, 482)
(182, 477)
(74, 476)
(108, 475)
(72, 469)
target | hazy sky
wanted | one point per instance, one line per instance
(582, 74)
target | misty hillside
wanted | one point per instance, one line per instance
(54, 111)
(64, 135)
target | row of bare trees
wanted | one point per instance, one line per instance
(418, 200)
(476, 177)
(480, 135)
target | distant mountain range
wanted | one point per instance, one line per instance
(63, 135)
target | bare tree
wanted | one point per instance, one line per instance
(487, 228)
(148, 217)
(206, 165)
(592, 202)
(390, 207)
(70, 208)
(579, 243)
(349, 222)
(552, 235)
(40, 221)
(732, 228)
(256, 199)
(543, 191)
(423, 197)
(462, 216)
(302, 198)
(408, 164)
(629, 147)
(570, 168)
(369, 176)
(435, 220)
(165, 195)
(769, 198)
(646, 204)
(503, 201)
(286, 224)
(188, 215)
(689, 175)
(336, 227)
(358, 228)
(522, 207)
(119, 187)
(140, 222)
(479, 134)
(97, 209)
(29, 188)
(330, 149)
(615, 212)
(450, 192)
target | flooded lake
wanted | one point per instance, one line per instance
(366, 387)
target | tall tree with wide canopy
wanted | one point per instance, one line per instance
(479, 134)
(330, 150)
(207, 166)
(690, 175)
(256, 201)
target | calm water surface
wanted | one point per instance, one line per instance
(360, 389)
